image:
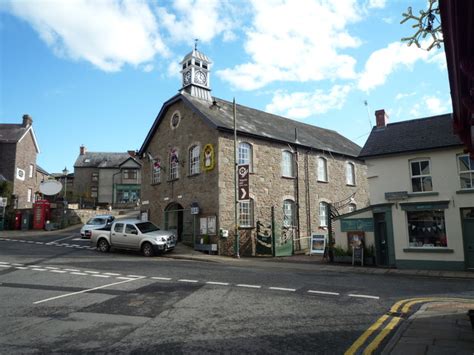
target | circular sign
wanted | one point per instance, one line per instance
(50, 187)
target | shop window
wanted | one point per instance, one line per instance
(174, 164)
(350, 174)
(194, 154)
(421, 176)
(246, 214)
(323, 214)
(322, 169)
(156, 172)
(466, 171)
(287, 164)
(245, 155)
(427, 229)
(288, 213)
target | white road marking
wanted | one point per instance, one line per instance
(79, 273)
(76, 245)
(14, 264)
(22, 241)
(126, 278)
(364, 296)
(186, 280)
(136, 276)
(30, 242)
(282, 289)
(92, 272)
(111, 274)
(104, 276)
(21, 267)
(249, 286)
(58, 271)
(324, 293)
(51, 267)
(72, 270)
(162, 278)
(39, 243)
(58, 240)
(4, 262)
(78, 239)
(83, 291)
(217, 283)
(38, 269)
(7, 266)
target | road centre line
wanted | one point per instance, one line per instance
(324, 293)
(4, 262)
(58, 240)
(217, 283)
(21, 267)
(364, 296)
(22, 241)
(51, 267)
(7, 266)
(248, 286)
(79, 273)
(111, 274)
(92, 272)
(162, 278)
(72, 270)
(38, 269)
(139, 276)
(83, 291)
(15, 264)
(186, 280)
(58, 271)
(127, 278)
(104, 276)
(282, 289)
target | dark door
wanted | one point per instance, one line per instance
(381, 243)
(467, 215)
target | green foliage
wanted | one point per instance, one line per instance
(6, 189)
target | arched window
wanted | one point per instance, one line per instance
(245, 154)
(246, 214)
(352, 207)
(350, 174)
(323, 214)
(287, 165)
(322, 169)
(156, 171)
(289, 213)
(194, 155)
(174, 164)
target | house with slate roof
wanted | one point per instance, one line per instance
(295, 171)
(107, 178)
(18, 151)
(421, 189)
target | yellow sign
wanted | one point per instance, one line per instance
(208, 158)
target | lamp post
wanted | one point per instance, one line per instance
(65, 172)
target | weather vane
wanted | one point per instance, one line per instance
(427, 24)
(196, 44)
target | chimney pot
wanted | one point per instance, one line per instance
(132, 153)
(27, 120)
(381, 118)
(82, 150)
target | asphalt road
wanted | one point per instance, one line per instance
(66, 297)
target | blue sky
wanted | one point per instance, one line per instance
(97, 72)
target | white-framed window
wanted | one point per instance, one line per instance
(322, 169)
(245, 154)
(194, 155)
(323, 214)
(246, 214)
(351, 207)
(287, 164)
(289, 213)
(420, 171)
(94, 191)
(20, 174)
(29, 195)
(130, 174)
(95, 177)
(32, 169)
(466, 171)
(174, 164)
(350, 173)
(156, 171)
(427, 229)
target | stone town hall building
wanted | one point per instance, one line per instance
(296, 168)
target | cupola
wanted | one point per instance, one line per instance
(195, 70)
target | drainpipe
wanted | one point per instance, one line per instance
(113, 186)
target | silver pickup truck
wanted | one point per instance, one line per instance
(133, 234)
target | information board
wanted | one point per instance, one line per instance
(318, 243)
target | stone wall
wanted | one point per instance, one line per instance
(83, 182)
(25, 156)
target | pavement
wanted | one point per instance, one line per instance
(438, 326)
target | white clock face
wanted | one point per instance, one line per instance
(187, 77)
(200, 77)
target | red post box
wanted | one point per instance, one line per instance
(17, 224)
(41, 213)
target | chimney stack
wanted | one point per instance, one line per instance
(27, 120)
(381, 118)
(82, 150)
(132, 153)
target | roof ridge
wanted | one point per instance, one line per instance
(418, 119)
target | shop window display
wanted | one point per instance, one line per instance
(427, 229)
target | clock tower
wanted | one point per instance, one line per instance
(195, 69)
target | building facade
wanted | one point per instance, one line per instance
(295, 171)
(18, 151)
(421, 188)
(107, 178)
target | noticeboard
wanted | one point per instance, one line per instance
(318, 243)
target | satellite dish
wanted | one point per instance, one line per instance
(50, 187)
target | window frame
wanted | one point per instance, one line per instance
(248, 215)
(289, 213)
(323, 217)
(94, 176)
(155, 173)
(325, 168)
(174, 166)
(241, 159)
(470, 171)
(194, 160)
(285, 161)
(412, 224)
(421, 176)
(94, 191)
(350, 174)
(30, 172)
(127, 172)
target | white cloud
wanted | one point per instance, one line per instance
(201, 19)
(385, 61)
(296, 43)
(301, 105)
(174, 68)
(376, 4)
(440, 59)
(431, 105)
(148, 68)
(106, 33)
(402, 95)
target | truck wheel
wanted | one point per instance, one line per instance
(103, 246)
(147, 249)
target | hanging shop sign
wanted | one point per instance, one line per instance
(208, 158)
(357, 224)
(243, 182)
(318, 243)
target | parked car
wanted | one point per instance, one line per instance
(96, 222)
(133, 234)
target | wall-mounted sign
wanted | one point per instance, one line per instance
(396, 195)
(208, 158)
(194, 208)
(20, 174)
(207, 225)
(243, 182)
(318, 243)
(357, 224)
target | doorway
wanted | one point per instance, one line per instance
(174, 219)
(467, 220)
(381, 239)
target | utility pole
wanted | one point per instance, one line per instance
(236, 202)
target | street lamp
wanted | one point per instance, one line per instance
(65, 172)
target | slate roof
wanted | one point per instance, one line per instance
(101, 160)
(410, 136)
(11, 133)
(41, 170)
(262, 125)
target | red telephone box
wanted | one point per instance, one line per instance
(41, 213)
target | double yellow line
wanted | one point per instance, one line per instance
(392, 318)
